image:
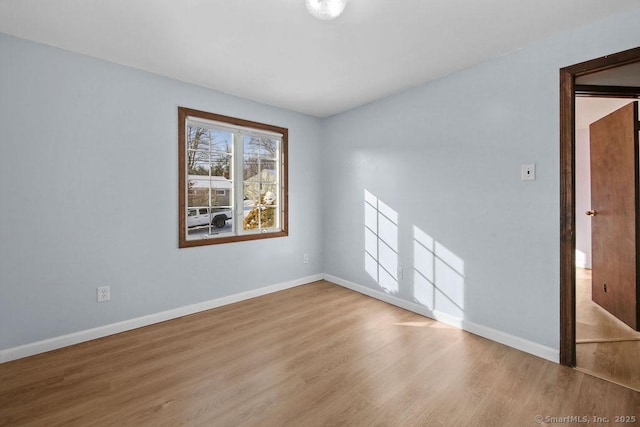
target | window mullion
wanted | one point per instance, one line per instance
(260, 200)
(238, 181)
(209, 161)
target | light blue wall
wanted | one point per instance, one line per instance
(446, 158)
(88, 187)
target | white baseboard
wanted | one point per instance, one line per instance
(530, 347)
(127, 325)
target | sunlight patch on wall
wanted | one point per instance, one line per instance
(438, 277)
(381, 242)
(581, 259)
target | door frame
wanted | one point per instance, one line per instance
(568, 92)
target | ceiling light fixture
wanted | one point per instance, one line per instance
(325, 9)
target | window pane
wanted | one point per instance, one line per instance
(260, 206)
(221, 153)
(198, 138)
(260, 154)
(209, 151)
(198, 162)
(221, 191)
(261, 217)
(209, 158)
(198, 191)
(261, 186)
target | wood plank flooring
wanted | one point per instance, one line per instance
(605, 346)
(317, 354)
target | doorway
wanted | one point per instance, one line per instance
(606, 346)
(611, 73)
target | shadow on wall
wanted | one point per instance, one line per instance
(438, 274)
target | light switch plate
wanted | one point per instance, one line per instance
(529, 172)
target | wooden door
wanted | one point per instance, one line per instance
(614, 204)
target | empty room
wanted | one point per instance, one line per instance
(317, 212)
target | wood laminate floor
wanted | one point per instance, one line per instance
(605, 346)
(316, 354)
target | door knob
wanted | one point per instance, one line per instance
(591, 213)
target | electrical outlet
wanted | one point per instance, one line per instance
(104, 293)
(305, 259)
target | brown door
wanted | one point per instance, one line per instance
(614, 204)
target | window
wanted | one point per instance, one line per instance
(232, 179)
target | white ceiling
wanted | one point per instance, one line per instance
(273, 51)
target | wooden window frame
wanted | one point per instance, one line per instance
(183, 115)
